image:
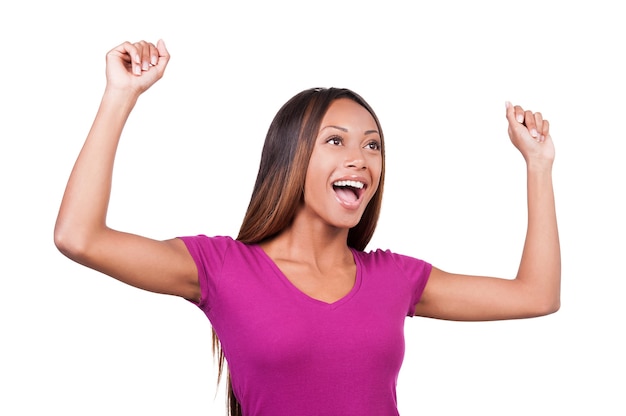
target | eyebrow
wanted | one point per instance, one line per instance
(346, 130)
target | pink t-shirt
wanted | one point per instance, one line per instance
(290, 354)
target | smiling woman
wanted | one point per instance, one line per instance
(286, 162)
(345, 167)
(308, 321)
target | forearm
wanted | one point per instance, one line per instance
(540, 266)
(86, 199)
(536, 289)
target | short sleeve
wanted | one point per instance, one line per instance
(208, 253)
(417, 272)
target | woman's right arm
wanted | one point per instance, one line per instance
(81, 232)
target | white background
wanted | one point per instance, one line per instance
(75, 342)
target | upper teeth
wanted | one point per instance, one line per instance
(354, 184)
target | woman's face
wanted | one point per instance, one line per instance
(345, 166)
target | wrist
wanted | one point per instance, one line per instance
(120, 98)
(121, 94)
(540, 167)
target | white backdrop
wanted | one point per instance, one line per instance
(75, 342)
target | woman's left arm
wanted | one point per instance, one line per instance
(536, 289)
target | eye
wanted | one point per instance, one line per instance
(335, 140)
(373, 145)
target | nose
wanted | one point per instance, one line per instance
(355, 160)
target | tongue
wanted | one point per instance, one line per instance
(346, 194)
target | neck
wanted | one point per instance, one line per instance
(310, 242)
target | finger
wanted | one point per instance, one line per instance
(539, 126)
(545, 131)
(144, 54)
(530, 123)
(152, 56)
(519, 114)
(130, 53)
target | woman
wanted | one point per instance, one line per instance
(308, 322)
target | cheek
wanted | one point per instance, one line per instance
(376, 167)
(315, 181)
(320, 168)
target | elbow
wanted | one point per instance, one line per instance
(551, 308)
(542, 295)
(546, 306)
(70, 243)
(64, 243)
(556, 305)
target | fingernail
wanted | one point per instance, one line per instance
(137, 69)
(533, 132)
(145, 66)
(153, 60)
(520, 118)
(137, 59)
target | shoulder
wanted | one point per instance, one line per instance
(398, 272)
(208, 250)
(385, 259)
(218, 243)
(218, 250)
(216, 257)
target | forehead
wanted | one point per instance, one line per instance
(349, 114)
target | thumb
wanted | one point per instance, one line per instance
(164, 55)
(515, 117)
(510, 114)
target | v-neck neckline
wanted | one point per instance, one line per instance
(279, 273)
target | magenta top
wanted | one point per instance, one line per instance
(290, 354)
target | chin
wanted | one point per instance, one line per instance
(348, 223)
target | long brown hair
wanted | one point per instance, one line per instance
(279, 186)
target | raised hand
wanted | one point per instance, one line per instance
(530, 133)
(135, 67)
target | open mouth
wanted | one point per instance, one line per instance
(349, 191)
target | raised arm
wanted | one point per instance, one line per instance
(535, 291)
(81, 232)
